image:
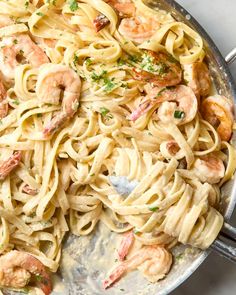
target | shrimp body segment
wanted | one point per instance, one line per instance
(154, 261)
(17, 268)
(125, 8)
(160, 69)
(198, 77)
(11, 163)
(18, 47)
(138, 29)
(209, 169)
(218, 111)
(125, 245)
(178, 105)
(54, 82)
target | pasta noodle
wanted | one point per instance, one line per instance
(66, 181)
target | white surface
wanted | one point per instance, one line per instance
(216, 276)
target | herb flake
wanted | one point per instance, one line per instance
(179, 114)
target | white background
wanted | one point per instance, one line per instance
(216, 276)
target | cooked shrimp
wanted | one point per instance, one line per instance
(100, 22)
(198, 77)
(125, 245)
(155, 263)
(11, 163)
(17, 268)
(30, 191)
(54, 82)
(171, 147)
(218, 111)
(13, 49)
(178, 105)
(160, 69)
(3, 101)
(125, 8)
(138, 29)
(209, 169)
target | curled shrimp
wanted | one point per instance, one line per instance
(126, 244)
(11, 163)
(154, 261)
(178, 105)
(160, 69)
(198, 77)
(17, 268)
(209, 169)
(125, 8)
(13, 49)
(54, 82)
(3, 101)
(139, 28)
(218, 111)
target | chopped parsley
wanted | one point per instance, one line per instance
(38, 278)
(133, 58)
(172, 59)
(73, 5)
(16, 102)
(104, 111)
(179, 114)
(15, 41)
(153, 209)
(39, 13)
(109, 84)
(123, 290)
(121, 62)
(92, 174)
(39, 115)
(97, 77)
(179, 256)
(160, 92)
(26, 4)
(136, 231)
(88, 61)
(76, 58)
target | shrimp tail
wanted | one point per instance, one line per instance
(7, 166)
(125, 245)
(100, 22)
(141, 110)
(55, 124)
(114, 276)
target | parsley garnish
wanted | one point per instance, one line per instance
(104, 111)
(179, 114)
(88, 61)
(39, 13)
(16, 102)
(15, 41)
(109, 85)
(120, 62)
(133, 58)
(153, 209)
(179, 256)
(26, 4)
(95, 77)
(73, 5)
(76, 58)
(136, 231)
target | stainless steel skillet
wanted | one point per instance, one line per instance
(79, 277)
(84, 277)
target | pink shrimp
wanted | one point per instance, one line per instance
(125, 8)
(178, 105)
(30, 191)
(14, 48)
(16, 269)
(155, 262)
(100, 22)
(160, 69)
(209, 169)
(53, 82)
(11, 163)
(125, 245)
(198, 77)
(219, 112)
